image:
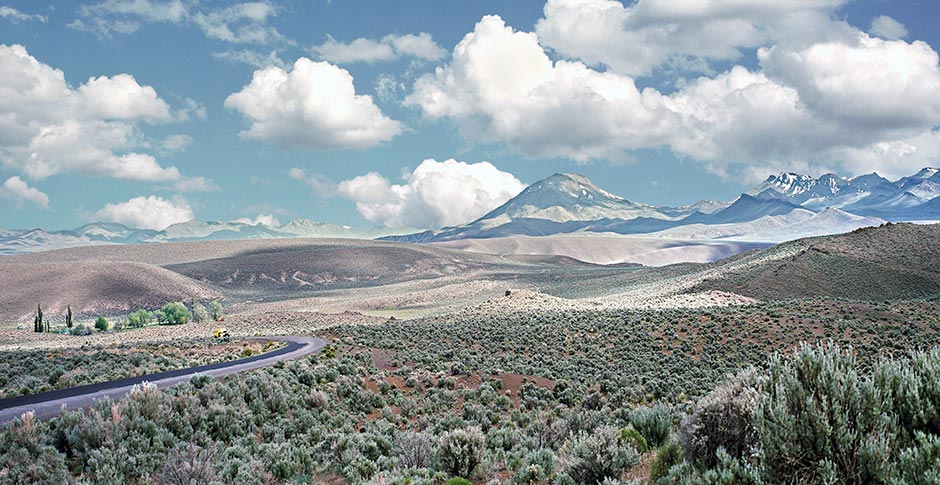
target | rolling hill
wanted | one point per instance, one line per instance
(878, 263)
(113, 279)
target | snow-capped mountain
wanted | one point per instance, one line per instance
(828, 190)
(308, 228)
(702, 206)
(32, 240)
(785, 206)
(865, 195)
(567, 197)
(567, 203)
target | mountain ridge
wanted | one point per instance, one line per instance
(14, 241)
(567, 203)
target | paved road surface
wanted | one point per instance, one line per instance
(49, 404)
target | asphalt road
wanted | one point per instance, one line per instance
(49, 404)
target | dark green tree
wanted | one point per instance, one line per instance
(38, 324)
(68, 317)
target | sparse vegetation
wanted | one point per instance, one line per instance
(80, 330)
(452, 392)
(30, 372)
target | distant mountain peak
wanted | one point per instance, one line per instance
(565, 197)
(574, 185)
(788, 184)
(927, 172)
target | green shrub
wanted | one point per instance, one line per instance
(634, 437)
(80, 329)
(921, 462)
(414, 450)
(188, 465)
(910, 385)
(599, 455)
(727, 471)
(461, 451)
(654, 423)
(27, 456)
(537, 466)
(666, 457)
(101, 324)
(821, 421)
(723, 419)
(458, 481)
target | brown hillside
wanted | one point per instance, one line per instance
(91, 288)
(890, 261)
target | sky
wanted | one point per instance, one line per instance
(426, 113)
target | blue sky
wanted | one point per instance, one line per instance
(678, 135)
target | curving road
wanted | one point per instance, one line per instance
(49, 404)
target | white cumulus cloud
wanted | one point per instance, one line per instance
(829, 103)
(266, 219)
(888, 28)
(150, 212)
(47, 127)
(638, 38)
(19, 192)
(314, 105)
(435, 194)
(388, 48)
(501, 85)
(865, 81)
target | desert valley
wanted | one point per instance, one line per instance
(509, 345)
(553, 242)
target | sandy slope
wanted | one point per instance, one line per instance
(607, 249)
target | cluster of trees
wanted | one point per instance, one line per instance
(39, 324)
(174, 313)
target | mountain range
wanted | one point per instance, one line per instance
(784, 207)
(97, 233)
